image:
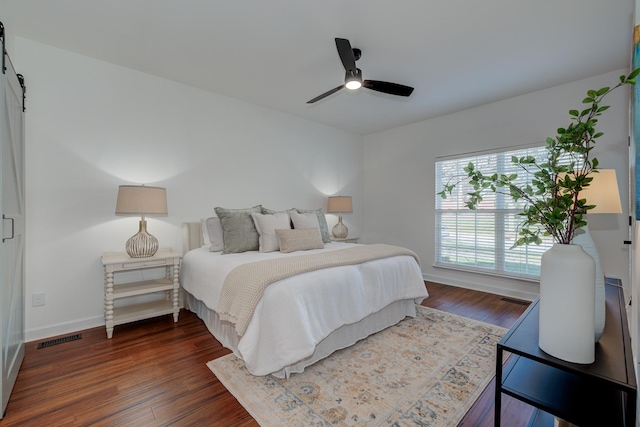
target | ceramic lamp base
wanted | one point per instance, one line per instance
(143, 244)
(340, 231)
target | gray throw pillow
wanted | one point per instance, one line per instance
(322, 222)
(238, 229)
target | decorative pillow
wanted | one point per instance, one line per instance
(266, 211)
(322, 222)
(266, 226)
(299, 239)
(214, 234)
(238, 230)
(304, 220)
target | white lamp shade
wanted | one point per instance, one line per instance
(603, 193)
(339, 204)
(141, 200)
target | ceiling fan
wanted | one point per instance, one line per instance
(353, 77)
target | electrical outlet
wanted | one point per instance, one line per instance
(37, 300)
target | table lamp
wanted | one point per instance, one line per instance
(604, 194)
(141, 200)
(340, 205)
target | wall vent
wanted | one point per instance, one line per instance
(59, 340)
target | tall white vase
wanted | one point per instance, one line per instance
(567, 304)
(583, 238)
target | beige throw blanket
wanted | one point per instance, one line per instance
(244, 286)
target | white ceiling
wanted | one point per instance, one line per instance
(281, 53)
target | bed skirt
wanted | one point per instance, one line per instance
(342, 337)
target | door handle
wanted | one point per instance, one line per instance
(12, 228)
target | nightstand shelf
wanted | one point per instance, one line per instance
(120, 262)
(135, 312)
(140, 288)
(562, 393)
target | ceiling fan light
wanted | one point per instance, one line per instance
(353, 80)
(353, 84)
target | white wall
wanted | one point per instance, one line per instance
(399, 173)
(7, 21)
(92, 126)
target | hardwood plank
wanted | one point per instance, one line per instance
(153, 373)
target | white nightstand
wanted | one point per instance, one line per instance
(347, 239)
(115, 262)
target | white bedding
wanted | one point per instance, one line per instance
(297, 313)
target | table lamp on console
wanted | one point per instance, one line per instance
(602, 192)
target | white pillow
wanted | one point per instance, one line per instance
(304, 220)
(322, 221)
(214, 234)
(266, 226)
(205, 233)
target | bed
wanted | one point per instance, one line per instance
(303, 318)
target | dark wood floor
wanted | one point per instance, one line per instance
(153, 373)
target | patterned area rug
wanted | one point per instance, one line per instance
(426, 371)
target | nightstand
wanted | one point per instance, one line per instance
(345, 239)
(119, 262)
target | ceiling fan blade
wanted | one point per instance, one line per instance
(324, 95)
(346, 54)
(386, 87)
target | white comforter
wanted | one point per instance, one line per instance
(295, 314)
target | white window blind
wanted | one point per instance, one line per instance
(481, 240)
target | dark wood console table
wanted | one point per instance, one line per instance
(600, 394)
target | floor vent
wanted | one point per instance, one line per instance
(59, 341)
(515, 301)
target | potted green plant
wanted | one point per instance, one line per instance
(553, 207)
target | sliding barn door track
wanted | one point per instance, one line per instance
(59, 340)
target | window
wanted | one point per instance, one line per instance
(481, 240)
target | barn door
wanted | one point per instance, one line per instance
(12, 246)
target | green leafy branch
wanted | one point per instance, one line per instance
(553, 206)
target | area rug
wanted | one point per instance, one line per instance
(425, 371)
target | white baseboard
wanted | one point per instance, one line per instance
(93, 322)
(513, 293)
(64, 328)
